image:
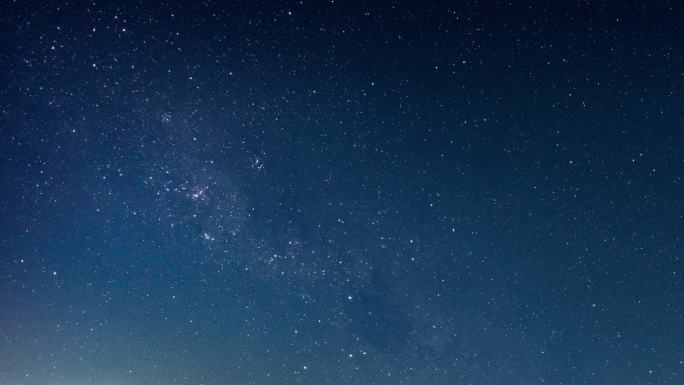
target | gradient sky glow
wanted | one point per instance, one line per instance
(341, 192)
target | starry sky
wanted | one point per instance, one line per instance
(341, 192)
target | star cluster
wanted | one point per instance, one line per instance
(276, 192)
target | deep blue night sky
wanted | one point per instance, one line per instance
(343, 193)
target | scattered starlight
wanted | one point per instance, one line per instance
(341, 193)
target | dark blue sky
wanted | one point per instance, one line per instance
(341, 193)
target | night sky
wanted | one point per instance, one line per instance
(341, 192)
